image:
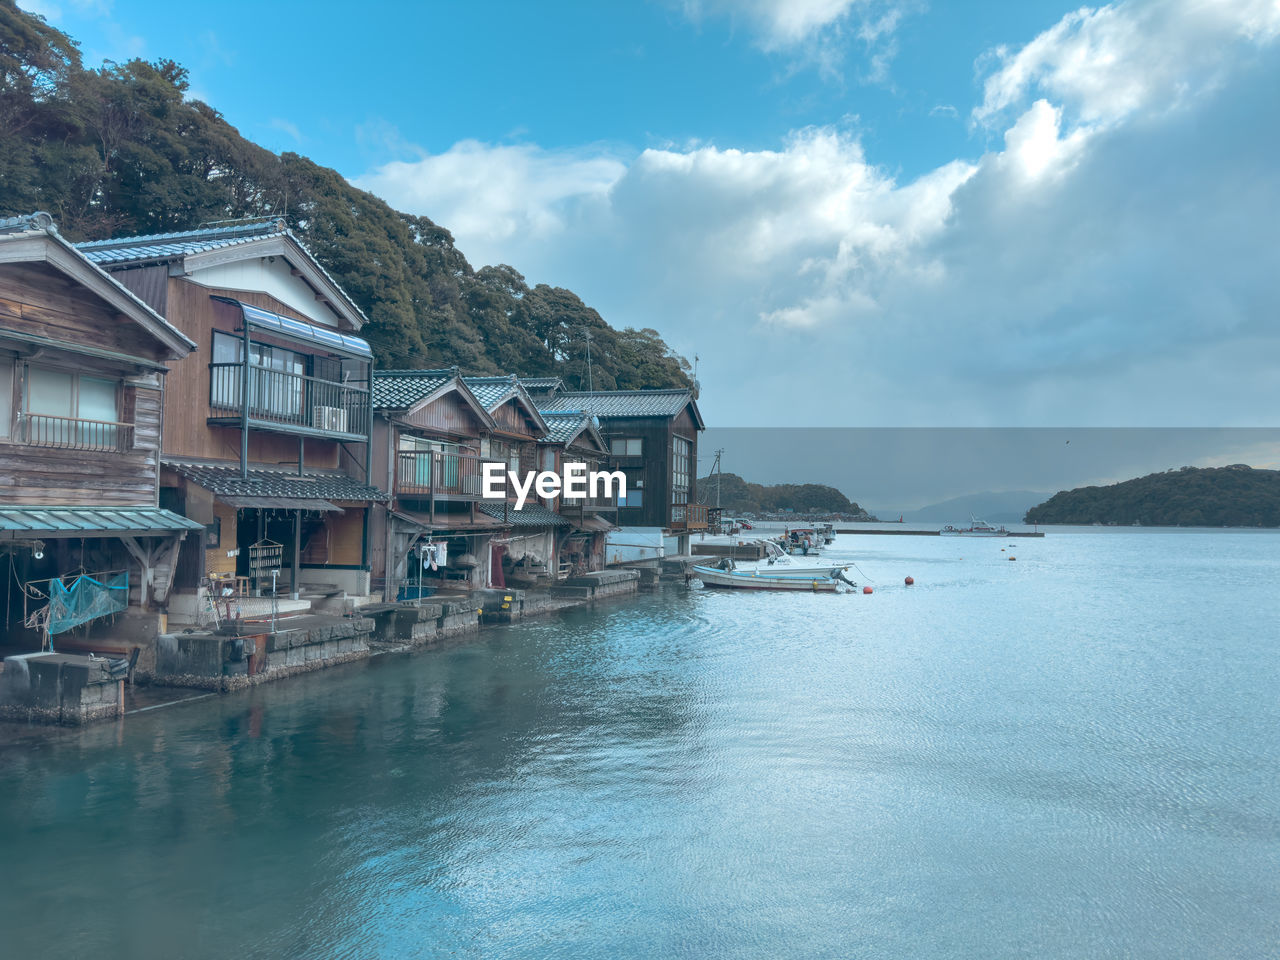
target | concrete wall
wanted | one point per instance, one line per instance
(634, 544)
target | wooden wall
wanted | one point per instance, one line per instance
(447, 417)
(187, 434)
(37, 299)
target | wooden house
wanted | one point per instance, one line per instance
(266, 440)
(653, 439)
(427, 431)
(83, 367)
(574, 438)
(528, 550)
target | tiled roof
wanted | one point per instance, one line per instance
(564, 425)
(531, 515)
(27, 223)
(542, 384)
(226, 481)
(624, 403)
(492, 391)
(401, 389)
(160, 247)
(48, 521)
(167, 246)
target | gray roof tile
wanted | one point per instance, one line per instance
(401, 389)
(264, 482)
(531, 515)
(610, 404)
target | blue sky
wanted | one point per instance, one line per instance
(856, 212)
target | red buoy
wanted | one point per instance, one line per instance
(909, 581)
(866, 589)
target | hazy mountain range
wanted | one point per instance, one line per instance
(1005, 507)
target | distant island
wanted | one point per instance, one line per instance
(806, 499)
(1234, 496)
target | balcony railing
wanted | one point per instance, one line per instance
(288, 400)
(588, 503)
(73, 433)
(688, 516)
(429, 473)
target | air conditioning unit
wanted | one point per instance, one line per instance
(333, 419)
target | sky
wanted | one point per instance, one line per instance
(855, 213)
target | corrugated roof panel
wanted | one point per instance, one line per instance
(49, 521)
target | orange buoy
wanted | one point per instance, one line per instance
(866, 589)
(909, 581)
(1013, 558)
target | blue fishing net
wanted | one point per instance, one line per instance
(86, 599)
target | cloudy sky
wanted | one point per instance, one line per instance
(855, 212)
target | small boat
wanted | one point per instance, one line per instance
(976, 528)
(810, 580)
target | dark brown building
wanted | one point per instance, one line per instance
(653, 438)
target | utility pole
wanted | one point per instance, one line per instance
(716, 468)
(586, 333)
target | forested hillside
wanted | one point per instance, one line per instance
(1235, 496)
(120, 150)
(739, 496)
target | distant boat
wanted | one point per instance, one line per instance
(976, 528)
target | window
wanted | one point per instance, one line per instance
(681, 455)
(627, 447)
(66, 409)
(634, 497)
(276, 377)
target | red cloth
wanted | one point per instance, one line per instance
(496, 578)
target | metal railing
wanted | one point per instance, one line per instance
(74, 433)
(431, 473)
(688, 516)
(289, 399)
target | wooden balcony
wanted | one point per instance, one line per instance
(688, 516)
(428, 474)
(284, 402)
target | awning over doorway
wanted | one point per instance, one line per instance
(281, 503)
(67, 521)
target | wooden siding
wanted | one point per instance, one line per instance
(447, 417)
(655, 464)
(513, 421)
(187, 433)
(148, 284)
(38, 300)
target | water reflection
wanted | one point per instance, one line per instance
(1065, 757)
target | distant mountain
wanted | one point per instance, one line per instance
(1006, 507)
(1234, 496)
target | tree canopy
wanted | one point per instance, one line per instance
(739, 496)
(1235, 496)
(121, 150)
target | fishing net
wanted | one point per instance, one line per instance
(85, 599)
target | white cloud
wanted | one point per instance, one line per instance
(52, 12)
(1109, 264)
(497, 195)
(1107, 63)
(816, 32)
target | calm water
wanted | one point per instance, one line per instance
(1070, 755)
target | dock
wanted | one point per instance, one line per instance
(934, 533)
